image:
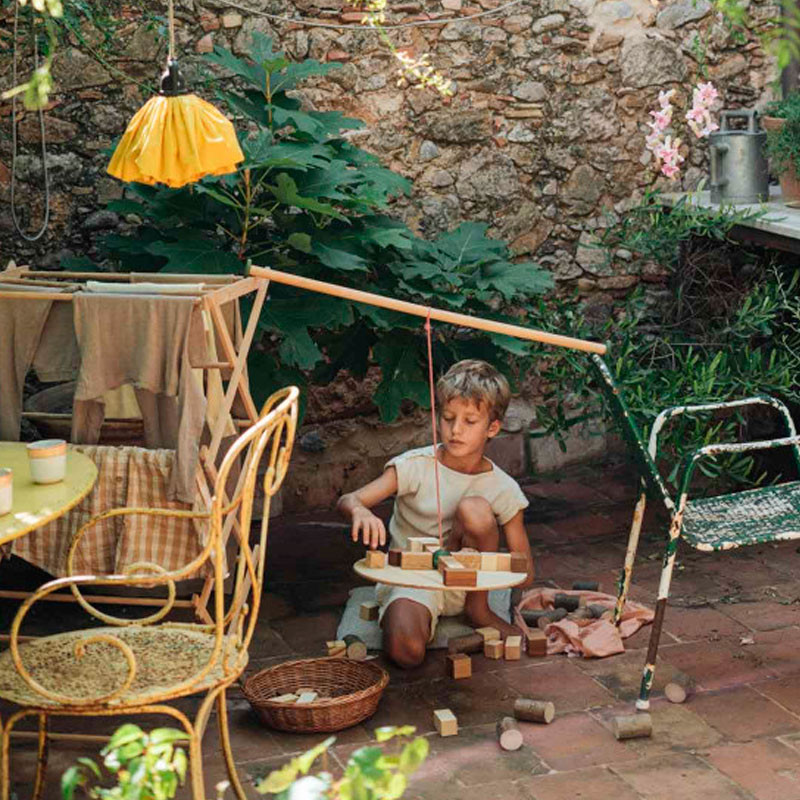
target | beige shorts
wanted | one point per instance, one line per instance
(440, 604)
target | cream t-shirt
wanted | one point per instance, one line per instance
(415, 504)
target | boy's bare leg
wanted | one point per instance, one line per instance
(406, 631)
(474, 525)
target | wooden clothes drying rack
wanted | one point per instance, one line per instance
(217, 292)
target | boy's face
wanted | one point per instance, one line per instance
(465, 427)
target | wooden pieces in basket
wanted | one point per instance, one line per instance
(308, 696)
(284, 698)
(445, 721)
(509, 736)
(355, 648)
(369, 611)
(336, 648)
(459, 665)
(376, 559)
(534, 710)
(633, 726)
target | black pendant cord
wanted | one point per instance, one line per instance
(38, 235)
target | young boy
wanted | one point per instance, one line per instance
(476, 498)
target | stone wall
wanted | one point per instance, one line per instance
(544, 139)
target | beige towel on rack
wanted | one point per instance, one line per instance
(21, 325)
(147, 341)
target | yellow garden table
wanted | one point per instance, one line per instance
(36, 504)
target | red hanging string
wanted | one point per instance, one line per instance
(433, 425)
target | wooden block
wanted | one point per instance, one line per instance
(488, 633)
(513, 648)
(416, 560)
(459, 665)
(675, 693)
(534, 710)
(635, 726)
(336, 648)
(493, 649)
(304, 690)
(553, 615)
(489, 562)
(471, 643)
(369, 610)
(519, 562)
(586, 586)
(570, 602)
(283, 698)
(460, 577)
(306, 697)
(376, 559)
(504, 562)
(597, 610)
(468, 559)
(416, 544)
(356, 649)
(394, 557)
(431, 548)
(445, 721)
(536, 644)
(509, 735)
(448, 562)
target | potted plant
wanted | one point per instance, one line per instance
(781, 120)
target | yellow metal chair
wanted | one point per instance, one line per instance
(136, 666)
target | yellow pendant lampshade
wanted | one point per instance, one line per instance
(176, 137)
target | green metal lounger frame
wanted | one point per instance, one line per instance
(754, 516)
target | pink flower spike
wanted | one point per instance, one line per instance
(664, 98)
(670, 171)
(707, 93)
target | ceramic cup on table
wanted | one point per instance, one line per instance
(48, 460)
(6, 490)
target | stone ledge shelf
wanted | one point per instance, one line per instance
(778, 228)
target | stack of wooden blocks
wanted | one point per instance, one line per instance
(459, 568)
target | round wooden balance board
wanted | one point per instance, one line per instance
(432, 579)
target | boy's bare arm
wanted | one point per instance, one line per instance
(517, 541)
(356, 507)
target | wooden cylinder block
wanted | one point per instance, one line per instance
(534, 710)
(356, 649)
(586, 586)
(508, 734)
(675, 693)
(553, 615)
(635, 726)
(570, 602)
(471, 643)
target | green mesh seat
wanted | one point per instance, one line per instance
(709, 524)
(750, 517)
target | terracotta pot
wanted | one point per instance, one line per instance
(790, 184)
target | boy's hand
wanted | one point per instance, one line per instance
(370, 526)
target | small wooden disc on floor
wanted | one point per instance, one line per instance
(534, 710)
(356, 649)
(635, 726)
(508, 734)
(675, 693)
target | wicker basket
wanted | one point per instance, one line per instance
(352, 691)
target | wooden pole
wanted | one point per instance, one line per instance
(451, 317)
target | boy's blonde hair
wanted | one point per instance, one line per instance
(477, 381)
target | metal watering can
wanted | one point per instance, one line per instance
(739, 172)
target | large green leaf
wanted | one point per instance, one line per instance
(512, 279)
(251, 72)
(285, 191)
(468, 244)
(327, 182)
(336, 258)
(195, 252)
(401, 377)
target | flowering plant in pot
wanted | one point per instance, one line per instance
(781, 120)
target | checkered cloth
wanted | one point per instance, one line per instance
(127, 477)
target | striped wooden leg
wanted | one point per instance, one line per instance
(624, 583)
(643, 703)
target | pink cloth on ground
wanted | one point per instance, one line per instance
(593, 638)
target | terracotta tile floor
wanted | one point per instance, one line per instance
(732, 635)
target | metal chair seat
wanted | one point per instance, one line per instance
(166, 657)
(767, 514)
